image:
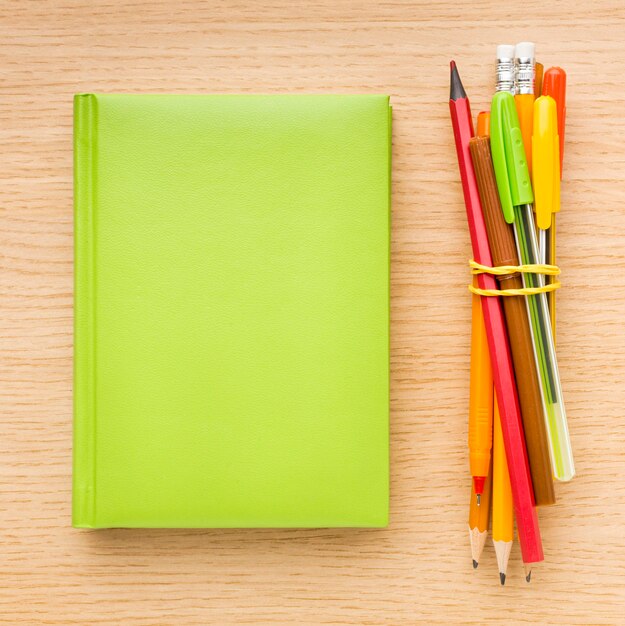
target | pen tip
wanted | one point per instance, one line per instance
(474, 564)
(502, 578)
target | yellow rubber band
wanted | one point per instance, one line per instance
(547, 270)
(502, 270)
(525, 291)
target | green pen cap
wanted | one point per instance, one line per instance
(509, 160)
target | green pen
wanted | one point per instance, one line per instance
(515, 193)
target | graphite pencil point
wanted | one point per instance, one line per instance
(502, 578)
(475, 564)
(528, 573)
(456, 90)
(502, 551)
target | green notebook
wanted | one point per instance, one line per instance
(231, 311)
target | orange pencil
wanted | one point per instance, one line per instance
(524, 100)
(539, 68)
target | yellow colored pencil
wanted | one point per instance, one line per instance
(503, 512)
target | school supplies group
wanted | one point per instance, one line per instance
(510, 176)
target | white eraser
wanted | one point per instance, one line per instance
(505, 52)
(525, 50)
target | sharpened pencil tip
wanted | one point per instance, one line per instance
(502, 578)
(528, 571)
(456, 90)
(475, 564)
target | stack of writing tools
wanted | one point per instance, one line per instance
(510, 172)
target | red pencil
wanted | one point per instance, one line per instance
(503, 373)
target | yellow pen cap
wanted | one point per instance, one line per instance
(546, 161)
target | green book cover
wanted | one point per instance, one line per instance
(231, 311)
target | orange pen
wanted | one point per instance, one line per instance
(480, 401)
(480, 391)
(479, 517)
(524, 100)
(483, 124)
(554, 85)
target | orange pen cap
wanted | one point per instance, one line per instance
(483, 124)
(554, 85)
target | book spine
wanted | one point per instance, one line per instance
(84, 470)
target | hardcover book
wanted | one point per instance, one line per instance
(231, 311)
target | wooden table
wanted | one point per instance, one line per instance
(418, 570)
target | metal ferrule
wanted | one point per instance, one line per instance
(525, 75)
(505, 75)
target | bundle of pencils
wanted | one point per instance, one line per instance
(510, 172)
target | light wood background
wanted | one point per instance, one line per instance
(419, 569)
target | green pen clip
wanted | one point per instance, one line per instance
(509, 160)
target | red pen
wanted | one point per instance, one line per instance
(503, 373)
(554, 85)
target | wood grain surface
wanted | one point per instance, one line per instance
(418, 570)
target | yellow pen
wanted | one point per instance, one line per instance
(524, 64)
(546, 172)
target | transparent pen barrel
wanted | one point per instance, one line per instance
(544, 348)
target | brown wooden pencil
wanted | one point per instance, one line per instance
(503, 250)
